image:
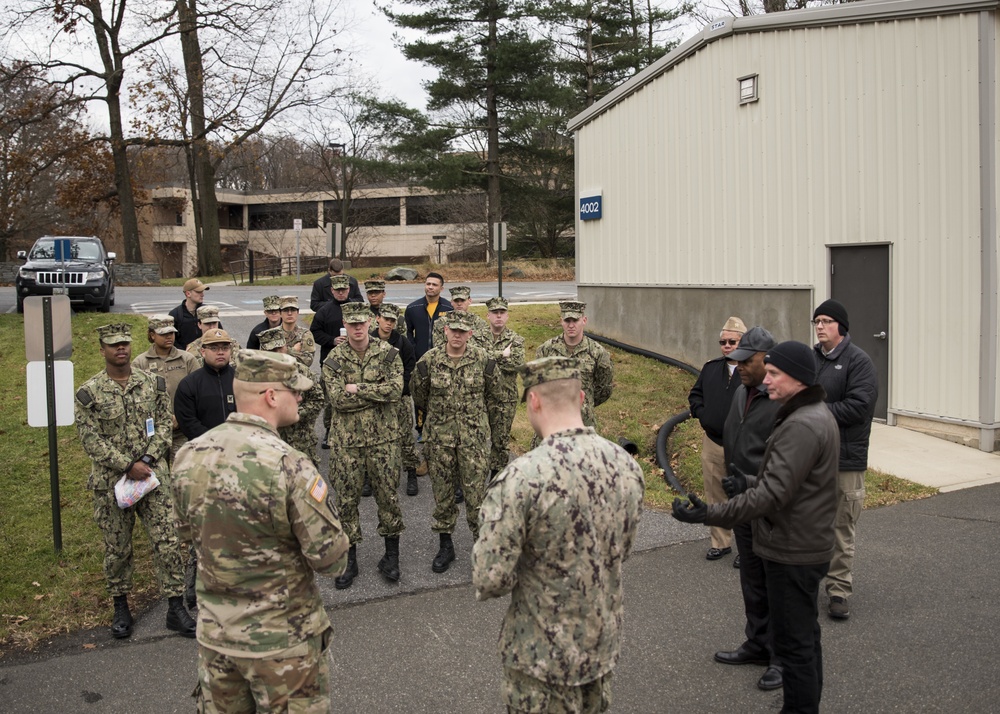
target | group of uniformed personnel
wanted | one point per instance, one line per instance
(465, 384)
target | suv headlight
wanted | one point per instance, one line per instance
(94, 275)
(25, 273)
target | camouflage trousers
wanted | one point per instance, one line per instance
(404, 417)
(523, 693)
(297, 681)
(348, 468)
(465, 465)
(302, 436)
(501, 418)
(178, 441)
(156, 511)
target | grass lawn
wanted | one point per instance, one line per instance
(43, 594)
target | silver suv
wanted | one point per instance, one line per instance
(75, 266)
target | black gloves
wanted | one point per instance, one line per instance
(694, 510)
(735, 483)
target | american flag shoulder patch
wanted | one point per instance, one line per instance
(318, 490)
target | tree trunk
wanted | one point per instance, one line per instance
(493, 211)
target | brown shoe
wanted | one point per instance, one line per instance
(839, 609)
(422, 468)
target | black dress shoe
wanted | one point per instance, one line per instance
(771, 679)
(736, 562)
(716, 553)
(742, 655)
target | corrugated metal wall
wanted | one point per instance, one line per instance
(863, 133)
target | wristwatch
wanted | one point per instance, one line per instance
(147, 459)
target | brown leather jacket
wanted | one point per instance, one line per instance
(794, 501)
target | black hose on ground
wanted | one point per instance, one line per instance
(665, 430)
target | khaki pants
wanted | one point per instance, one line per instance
(713, 469)
(850, 500)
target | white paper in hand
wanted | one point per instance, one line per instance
(129, 492)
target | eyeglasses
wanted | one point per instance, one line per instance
(218, 347)
(298, 394)
(822, 321)
(731, 343)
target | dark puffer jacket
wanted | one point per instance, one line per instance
(851, 383)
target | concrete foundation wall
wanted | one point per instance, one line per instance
(684, 323)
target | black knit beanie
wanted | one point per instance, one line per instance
(835, 310)
(794, 359)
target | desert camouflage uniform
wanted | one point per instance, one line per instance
(305, 353)
(479, 332)
(596, 372)
(261, 520)
(111, 421)
(302, 434)
(555, 527)
(363, 436)
(173, 368)
(501, 412)
(454, 395)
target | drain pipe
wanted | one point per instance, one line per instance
(665, 430)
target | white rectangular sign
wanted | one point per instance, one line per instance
(38, 413)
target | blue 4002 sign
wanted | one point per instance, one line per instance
(590, 208)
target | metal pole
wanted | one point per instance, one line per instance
(298, 256)
(343, 204)
(499, 245)
(50, 406)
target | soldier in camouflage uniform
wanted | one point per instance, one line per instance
(164, 360)
(453, 383)
(555, 527)
(208, 319)
(123, 418)
(595, 362)
(506, 347)
(375, 291)
(272, 319)
(461, 301)
(298, 339)
(301, 434)
(260, 517)
(364, 379)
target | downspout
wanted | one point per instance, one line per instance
(988, 231)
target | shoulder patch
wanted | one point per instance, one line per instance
(391, 354)
(422, 368)
(83, 396)
(318, 490)
(334, 364)
(161, 383)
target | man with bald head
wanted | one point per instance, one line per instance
(260, 518)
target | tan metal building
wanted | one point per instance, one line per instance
(771, 162)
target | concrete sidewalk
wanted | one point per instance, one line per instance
(930, 461)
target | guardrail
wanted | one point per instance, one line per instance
(250, 269)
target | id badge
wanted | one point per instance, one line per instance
(150, 431)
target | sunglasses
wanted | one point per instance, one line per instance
(732, 343)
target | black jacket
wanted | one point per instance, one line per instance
(204, 399)
(745, 435)
(406, 354)
(322, 293)
(851, 383)
(711, 395)
(420, 327)
(253, 342)
(187, 326)
(325, 326)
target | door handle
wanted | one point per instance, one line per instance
(880, 335)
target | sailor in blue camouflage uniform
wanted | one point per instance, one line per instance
(556, 526)
(123, 417)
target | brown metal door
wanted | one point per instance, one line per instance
(860, 281)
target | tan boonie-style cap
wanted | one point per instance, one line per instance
(258, 366)
(207, 313)
(374, 286)
(734, 324)
(548, 369)
(288, 301)
(458, 320)
(572, 309)
(195, 284)
(340, 282)
(495, 304)
(162, 324)
(272, 302)
(115, 333)
(462, 292)
(389, 311)
(214, 337)
(272, 339)
(355, 312)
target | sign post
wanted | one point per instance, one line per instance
(500, 245)
(298, 252)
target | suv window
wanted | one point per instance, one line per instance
(79, 250)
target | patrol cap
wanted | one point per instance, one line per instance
(207, 313)
(462, 292)
(115, 333)
(389, 311)
(458, 320)
(548, 369)
(355, 312)
(340, 282)
(572, 309)
(257, 366)
(755, 340)
(288, 301)
(496, 304)
(272, 302)
(195, 284)
(162, 324)
(214, 337)
(374, 286)
(272, 339)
